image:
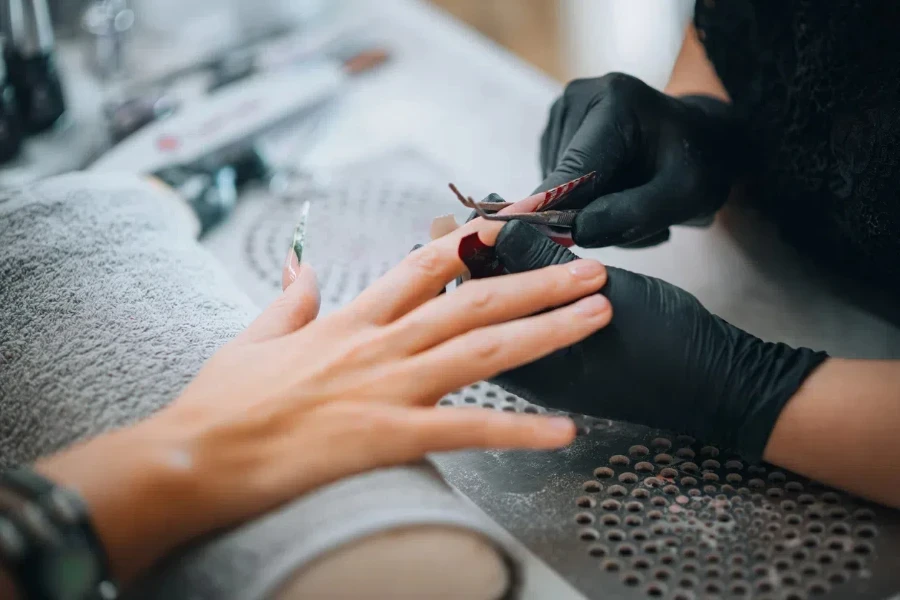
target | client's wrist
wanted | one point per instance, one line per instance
(134, 483)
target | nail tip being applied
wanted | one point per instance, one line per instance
(299, 238)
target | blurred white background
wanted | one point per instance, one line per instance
(563, 38)
(638, 37)
(583, 38)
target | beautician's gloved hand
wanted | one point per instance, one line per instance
(660, 160)
(664, 361)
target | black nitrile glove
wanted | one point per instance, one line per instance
(660, 160)
(664, 360)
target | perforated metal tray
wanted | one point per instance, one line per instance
(629, 512)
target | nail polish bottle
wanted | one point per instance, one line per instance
(31, 64)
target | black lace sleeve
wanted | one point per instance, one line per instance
(818, 82)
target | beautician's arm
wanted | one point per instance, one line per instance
(843, 428)
(693, 73)
(665, 361)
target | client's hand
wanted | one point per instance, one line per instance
(295, 403)
(664, 360)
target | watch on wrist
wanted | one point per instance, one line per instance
(47, 541)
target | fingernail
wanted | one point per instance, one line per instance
(561, 424)
(559, 430)
(586, 269)
(592, 306)
(291, 269)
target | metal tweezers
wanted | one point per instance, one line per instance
(564, 219)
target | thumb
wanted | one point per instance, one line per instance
(630, 216)
(294, 309)
(597, 146)
(522, 247)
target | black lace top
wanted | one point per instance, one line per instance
(819, 82)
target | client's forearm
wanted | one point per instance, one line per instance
(693, 73)
(843, 428)
(143, 515)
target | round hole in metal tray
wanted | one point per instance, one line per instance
(793, 486)
(634, 521)
(663, 459)
(639, 451)
(617, 491)
(641, 564)
(866, 531)
(628, 478)
(615, 535)
(668, 473)
(585, 502)
(661, 443)
(603, 472)
(685, 453)
(584, 518)
(611, 565)
(592, 487)
(838, 578)
(610, 520)
(610, 504)
(863, 514)
(619, 460)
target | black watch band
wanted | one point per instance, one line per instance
(50, 547)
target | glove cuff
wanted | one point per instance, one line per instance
(780, 372)
(732, 131)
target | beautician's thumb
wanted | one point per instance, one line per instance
(522, 247)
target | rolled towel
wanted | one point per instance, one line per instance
(109, 308)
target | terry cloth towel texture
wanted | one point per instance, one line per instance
(108, 308)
